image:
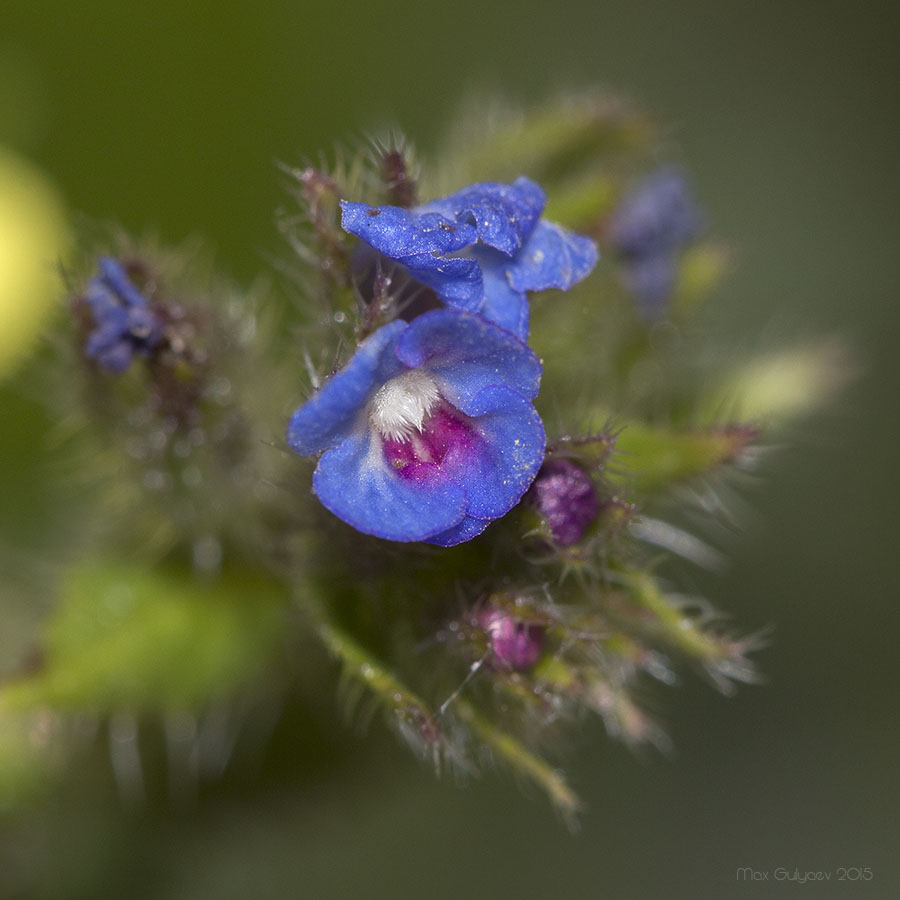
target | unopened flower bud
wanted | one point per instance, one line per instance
(564, 495)
(515, 644)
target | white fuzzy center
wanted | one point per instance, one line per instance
(400, 405)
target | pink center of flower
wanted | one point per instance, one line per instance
(446, 438)
(418, 428)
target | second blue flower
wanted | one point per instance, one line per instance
(480, 249)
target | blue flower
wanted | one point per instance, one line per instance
(479, 249)
(656, 220)
(429, 432)
(124, 323)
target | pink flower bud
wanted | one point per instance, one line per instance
(515, 644)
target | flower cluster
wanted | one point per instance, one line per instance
(125, 325)
(426, 432)
(429, 432)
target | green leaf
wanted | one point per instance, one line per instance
(128, 637)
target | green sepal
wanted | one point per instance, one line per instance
(649, 458)
(591, 450)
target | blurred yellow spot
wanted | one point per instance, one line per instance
(33, 237)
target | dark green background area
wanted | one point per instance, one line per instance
(171, 116)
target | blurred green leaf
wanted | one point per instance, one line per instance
(124, 636)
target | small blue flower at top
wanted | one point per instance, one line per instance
(480, 249)
(656, 220)
(125, 325)
(429, 432)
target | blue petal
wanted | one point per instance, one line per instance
(331, 414)
(467, 529)
(115, 357)
(503, 304)
(420, 241)
(100, 298)
(467, 354)
(500, 216)
(554, 257)
(355, 482)
(506, 460)
(503, 214)
(144, 326)
(114, 275)
(110, 327)
(659, 214)
(652, 280)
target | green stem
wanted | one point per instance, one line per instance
(409, 708)
(676, 628)
(520, 758)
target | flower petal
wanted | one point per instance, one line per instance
(504, 215)
(467, 529)
(554, 257)
(115, 357)
(498, 468)
(419, 241)
(651, 279)
(503, 304)
(116, 278)
(110, 328)
(331, 414)
(467, 354)
(658, 214)
(356, 483)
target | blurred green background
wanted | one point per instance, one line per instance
(172, 116)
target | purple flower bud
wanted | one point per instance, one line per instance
(515, 644)
(564, 495)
